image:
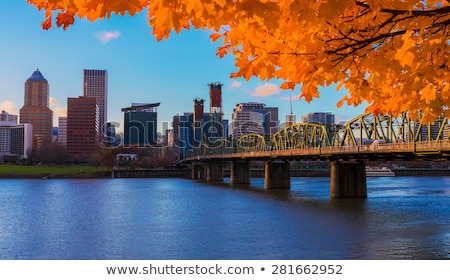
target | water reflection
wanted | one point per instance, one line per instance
(403, 218)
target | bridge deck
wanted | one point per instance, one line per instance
(400, 151)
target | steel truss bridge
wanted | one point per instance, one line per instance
(364, 137)
(347, 147)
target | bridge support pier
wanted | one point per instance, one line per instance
(240, 172)
(277, 175)
(348, 179)
(198, 172)
(214, 172)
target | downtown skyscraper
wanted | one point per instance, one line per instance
(82, 125)
(140, 125)
(36, 111)
(95, 84)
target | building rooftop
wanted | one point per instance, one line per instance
(37, 76)
(140, 106)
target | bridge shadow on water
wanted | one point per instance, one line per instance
(310, 192)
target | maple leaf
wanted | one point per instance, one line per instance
(47, 24)
(65, 19)
(288, 85)
(404, 54)
(214, 37)
(222, 51)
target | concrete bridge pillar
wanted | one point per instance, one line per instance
(198, 172)
(348, 179)
(214, 172)
(277, 175)
(240, 172)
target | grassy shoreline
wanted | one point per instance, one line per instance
(8, 171)
(47, 171)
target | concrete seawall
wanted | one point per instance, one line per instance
(186, 173)
(151, 173)
(421, 172)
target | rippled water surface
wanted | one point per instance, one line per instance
(402, 218)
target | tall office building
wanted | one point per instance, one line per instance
(55, 134)
(95, 84)
(247, 122)
(271, 120)
(254, 117)
(324, 118)
(140, 125)
(183, 134)
(15, 140)
(291, 118)
(168, 138)
(184, 138)
(82, 125)
(111, 135)
(36, 111)
(62, 131)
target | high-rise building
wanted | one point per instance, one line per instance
(55, 134)
(324, 118)
(168, 138)
(291, 118)
(184, 138)
(110, 138)
(7, 117)
(271, 120)
(225, 124)
(36, 111)
(62, 131)
(15, 140)
(246, 122)
(140, 125)
(183, 134)
(215, 120)
(254, 117)
(95, 84)
(82, 125)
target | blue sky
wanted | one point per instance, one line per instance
(140, 69)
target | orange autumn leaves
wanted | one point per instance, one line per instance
(66, 10)
(392, 54)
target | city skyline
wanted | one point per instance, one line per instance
(173, 72)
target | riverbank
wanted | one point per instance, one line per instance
(47, 172)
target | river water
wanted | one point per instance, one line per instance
(178, 219)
